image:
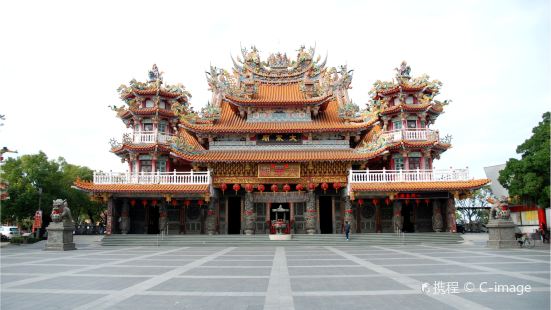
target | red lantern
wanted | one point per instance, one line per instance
(360, 202)
(223, 187)
(144, 202)
(187, 203)
(200, 203)
(132, 202)
(236, 188)
(299, 187)
(387, 201)
(174, 202)
(407, 201)
(249, 188)
(286, 188)
(312, 186)
(324, 186)
(375, 202)
(417, 201)
(408, 196)
(261, 188)
(274, 188)
(336, 186)
(427, 201)
(154, 202)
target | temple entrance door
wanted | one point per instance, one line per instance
(407, 214)
(326, 215)
(153, 224)
(234, 215)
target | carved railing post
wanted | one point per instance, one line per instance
(311, 214)
(250, 215)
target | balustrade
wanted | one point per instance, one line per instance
(191, 177)
(418, 175)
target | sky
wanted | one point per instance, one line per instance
(62, 61)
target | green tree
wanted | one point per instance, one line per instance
(28, 173)
(528, 177)
(475, 207)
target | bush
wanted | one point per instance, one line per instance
(17, 240)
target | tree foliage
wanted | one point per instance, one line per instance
(529, 176)
(27, 173)
(474, 207)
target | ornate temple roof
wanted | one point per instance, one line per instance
(418, 186)
(142, 188)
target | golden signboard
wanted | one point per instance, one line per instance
(279, 170)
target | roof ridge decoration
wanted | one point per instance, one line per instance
(422, 88)
(134, 94)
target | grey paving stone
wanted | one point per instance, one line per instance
(391, 302)
(23, 301)
(505, 301)
(519, 267)
(213, 285)
(125, 270)
(157, 262)
(312, 262)
(34, 269)
(477, 279)
(329, 270)
(11, 278)
(346, 284)
(84, 283)
(239, 263)
(200, 271)
(192, 302)
(430, 268)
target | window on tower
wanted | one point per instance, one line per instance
(398, 162)
(412, 124)
(414, 163)
(145, 166)
(149, 103)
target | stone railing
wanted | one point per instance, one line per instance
(419, 175)
(412, 135)
(191, 177)
(141, 137)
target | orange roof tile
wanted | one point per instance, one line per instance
(418, 186)
(278, 94)
(142, 188)
(141, 147)
(326, 121)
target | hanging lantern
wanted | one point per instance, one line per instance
(249, 187)
(336, 186)
(286, 188)
(299, 187)
(174, 202)
(324, 186)
(375, 202)
(427, 201)
(274, 188)
(144, 202)
(311, 186)
(417, 202)
(406, 201)
(360, 202)
(223, 187)
(387, 201)
(187, 203)
(236, 188)
(261, 188)
(200, 203)
(154, 202)
(408, 196)
(132, 202)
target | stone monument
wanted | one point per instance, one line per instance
(60, 230)
(501, 227)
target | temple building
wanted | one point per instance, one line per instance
(281, 134)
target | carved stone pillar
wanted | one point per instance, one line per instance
(348, 215)
(210, 222)
(163, 217)
(125, 217)
(250, 215)
(450, 216)
(378, 226)
(437, 222)
(397, 216)
(110, 206)
(311, 214)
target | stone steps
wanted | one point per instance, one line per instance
(298, 240)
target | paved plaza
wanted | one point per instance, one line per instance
(467, 276)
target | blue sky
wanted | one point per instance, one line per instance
(62, 62)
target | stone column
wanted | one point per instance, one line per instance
(110, 206)
(311, 214)
(125, 217)
(397, 216)
(250, 215)
(348, 215)
(163, 217)
(450, 216)
(210, 222)
(378, 226)
(437, 222)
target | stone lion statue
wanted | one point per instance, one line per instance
(499, 208)
(61, 212)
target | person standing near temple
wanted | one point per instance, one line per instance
(347, 230)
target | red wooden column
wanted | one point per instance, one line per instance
(110, 206)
